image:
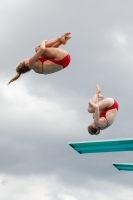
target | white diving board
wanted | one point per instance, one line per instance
(124, 166)
(99, 146)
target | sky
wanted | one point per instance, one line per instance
(41, 114)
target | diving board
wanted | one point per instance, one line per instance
(124, 166)
(100, 146)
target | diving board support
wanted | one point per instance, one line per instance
(101, 146)
(124, 166)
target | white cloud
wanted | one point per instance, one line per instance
(48, 187)
(66, 197)
(120, 39)
(38, 111)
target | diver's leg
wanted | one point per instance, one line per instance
(94, 99)
(57, 41)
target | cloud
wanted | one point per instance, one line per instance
(40, 115)
(66, 196)
(49, 188)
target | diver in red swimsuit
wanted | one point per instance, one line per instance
(104, 112)
(64, 63)
(48, 58)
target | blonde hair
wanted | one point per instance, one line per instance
(20, 69)
(93, 131)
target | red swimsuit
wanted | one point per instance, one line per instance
(64, 62)
(115, 105)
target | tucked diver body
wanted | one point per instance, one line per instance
(104, 112)
(48, 58)
(50, 65)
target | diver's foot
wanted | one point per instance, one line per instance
(98, 91)
(65, 37)
(66, 34)
(68, 38)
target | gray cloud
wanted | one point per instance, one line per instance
(40, 114)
